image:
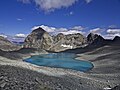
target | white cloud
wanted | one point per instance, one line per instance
(97, 31)
(71, 32)
(2, 35)
(54, 31)
(110, 36)
(24, 1)
(46, 28)
(51, 5)
(112, 26)
(35, 27)
(78, 28)
(71, 13)
(20, 35)
(111, 33)
(19, 19)
(88, 1)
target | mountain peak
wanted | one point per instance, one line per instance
(39, 30)
(91, 37)
(116, 38)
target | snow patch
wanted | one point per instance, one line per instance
(67, 46)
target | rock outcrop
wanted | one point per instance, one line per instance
(70, 41)
(39, 38)
(6, 45)
(91, 37)
(95, 40)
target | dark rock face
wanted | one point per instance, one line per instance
(95, 40)
(91, 37)
(116, 88)
(98, 40)
(39, 38)
(6, 45)
(116, 39)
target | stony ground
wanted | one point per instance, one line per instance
(14, 78)
(106, 62)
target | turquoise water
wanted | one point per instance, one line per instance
(60, 60)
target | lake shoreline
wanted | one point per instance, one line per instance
(97, 77)
(60, 60)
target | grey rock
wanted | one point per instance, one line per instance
(70, 41)
(2, 84)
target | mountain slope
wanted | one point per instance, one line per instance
(38, 38)
(6, 45)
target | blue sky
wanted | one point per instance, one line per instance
(19, 16)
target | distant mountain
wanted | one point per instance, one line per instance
(116, 39)
(16, 40)
(6, 45)
(18, 43)
(91, 37)
(13, 39)
(39, 38)
(95, 41)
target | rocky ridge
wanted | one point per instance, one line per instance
(39, 38)
(6, 45)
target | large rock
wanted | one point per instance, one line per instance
(39, 38)
(6, 45)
